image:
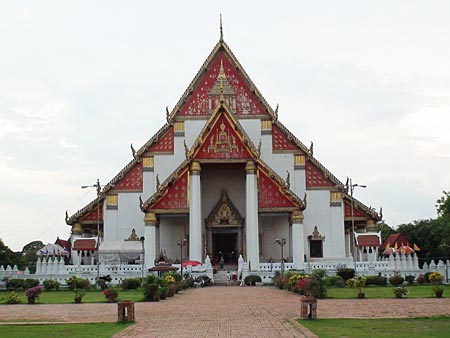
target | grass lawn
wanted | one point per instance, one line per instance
(66, 296)
(410, 327)
(94, 330)
(415, 291)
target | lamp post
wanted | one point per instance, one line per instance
(181, 244)
(281, 242)
(99, 188)
(352, 188)
(142, 239)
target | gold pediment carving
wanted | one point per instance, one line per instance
(224, 214)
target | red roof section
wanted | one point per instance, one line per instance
(270, 194)
(315, 178)
(65, 244)
(280, 142)
(165, 144)
(87, 244)
(132, 180)
(202, 101)
(356, 212)
(368, 240)
(93, 215)
(176, 196)
(222, 142)
(393, 239)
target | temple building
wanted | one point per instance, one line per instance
(225, 174)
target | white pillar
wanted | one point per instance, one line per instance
(251, 213)
(150, 239)
(298, 241)
(195, 213)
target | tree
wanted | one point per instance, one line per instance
(386, 231)
(7, 256)
(28, 255)
(443, 205)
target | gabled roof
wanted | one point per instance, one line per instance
(368, 240)
(394, 239)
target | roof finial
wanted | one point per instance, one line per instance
(221, 30)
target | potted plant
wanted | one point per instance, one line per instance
(400, 291)
(33, 293)
(79, 294)
(436, 279)
(358, 283)
(111, 295)
(163, 291)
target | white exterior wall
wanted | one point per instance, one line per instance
(192, 129)
(318, 213)
(148, 184)
(110, 225)
(129, 216)
(272, 227)
(171, 230)
(337, 238)
(253, 129)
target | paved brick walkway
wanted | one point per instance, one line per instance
(224, 312)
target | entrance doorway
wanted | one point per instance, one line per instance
(225, 244)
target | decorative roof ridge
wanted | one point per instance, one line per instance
(310, 156)
(206, 128)
(372, 212)
(81, 212)
(247, 78)
(284, 185)
(162, 188)
(194, 81)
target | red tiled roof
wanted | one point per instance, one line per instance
(368, 240)
(399, 238)
(65, 244)
(85, 244)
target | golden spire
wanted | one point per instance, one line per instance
(221, 30)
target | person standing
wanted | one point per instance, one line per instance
(221, 262)
(228, 278)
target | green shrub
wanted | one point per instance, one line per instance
(131, 283)
(50, 284)
(252, 280)
(33, 293)
(13, 298)
(150, 288)
(318, 282)
(14, 284)
(400, 291)
(427, 277)
(376, 280)
(335, 281)
(396, 280)
(76, 283)
(111, 295)
(435, 278)
(410, 279)
(30, 283)
(345, 273)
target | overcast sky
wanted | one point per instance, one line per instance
(368, 82)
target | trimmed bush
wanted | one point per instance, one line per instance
(33, 293)
(345, 273)
(30, 283)
(76, 283)
(427, 277)
(252, 280)
(421, 279)
(131, 283)
(14, 284)
(335, 281)
(376, 280)
(317, 285)
(410, 279)
(396, 280)
(50, 284)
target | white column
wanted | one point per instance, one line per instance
(195, 213)
(298, 246)
(347, 243)
(150, 239)
(251, 213)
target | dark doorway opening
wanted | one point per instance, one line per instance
(225, 245)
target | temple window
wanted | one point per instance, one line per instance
(335, 198)
(299, 161)
(112, 201)
(148, 163)
(316, 248)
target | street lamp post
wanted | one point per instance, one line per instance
(142, 239)
(99, 188)
(352, 188)
(281, 242)
(181, 244)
